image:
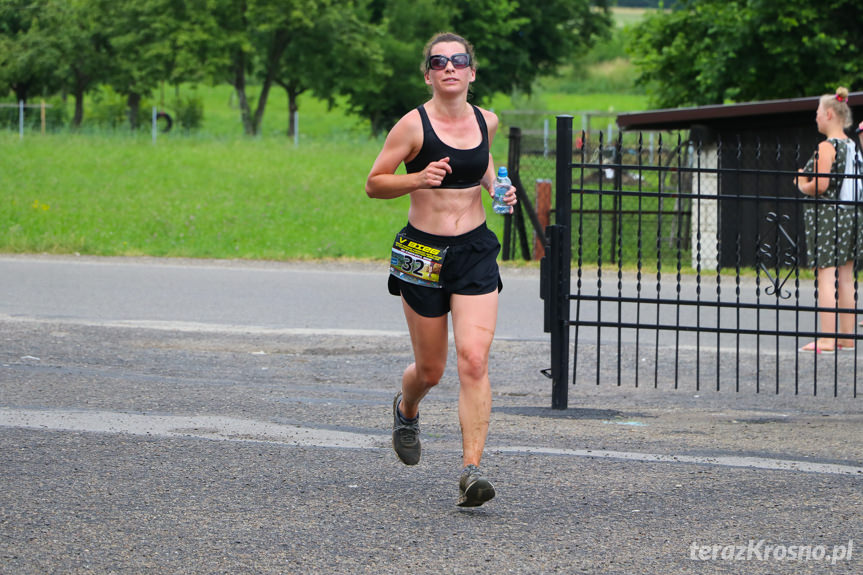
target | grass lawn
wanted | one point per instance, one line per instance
(211, 194)
(116, 195)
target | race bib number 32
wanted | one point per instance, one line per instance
(417, 263)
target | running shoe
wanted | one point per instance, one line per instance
(406, 436)
(474, 489)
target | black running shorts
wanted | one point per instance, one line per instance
(470, 268)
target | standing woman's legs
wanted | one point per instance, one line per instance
(846, 300)
(827, 299)
(474, 318)
(429, 337)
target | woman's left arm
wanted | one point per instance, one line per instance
(487, 181)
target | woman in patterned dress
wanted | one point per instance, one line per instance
(833, 231)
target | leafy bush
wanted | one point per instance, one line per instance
(108, 109)
(189, 112)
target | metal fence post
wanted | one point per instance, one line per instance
(154, 124)
(523, 206)
(560, 243)
(512, 163)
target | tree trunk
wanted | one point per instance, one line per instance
(293, 107)
(245, 113)
(79, 109)
(262, 103)
(134, 101)
(20, 94)
(280, 44)
(240, 89)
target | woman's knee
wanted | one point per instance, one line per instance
(429, 374)
(473, 364)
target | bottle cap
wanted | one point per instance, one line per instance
(501, 172)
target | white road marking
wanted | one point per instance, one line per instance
(721, 461)
(196, 327)
(233, 429)
(200, 426)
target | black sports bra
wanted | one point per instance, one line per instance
(468, 166)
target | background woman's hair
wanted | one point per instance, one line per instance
(446, 37)
(838, 102)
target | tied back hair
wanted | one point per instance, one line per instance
(838, 103)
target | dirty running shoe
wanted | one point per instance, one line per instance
(406, 436)
(474, 489)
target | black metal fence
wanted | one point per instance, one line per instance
(683, 264)
(606, 216)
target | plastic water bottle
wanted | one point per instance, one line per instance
(502, 184)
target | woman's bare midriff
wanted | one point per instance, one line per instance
(447, 211)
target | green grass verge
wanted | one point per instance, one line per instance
(219, 194)
(211, 194)
(185, 197)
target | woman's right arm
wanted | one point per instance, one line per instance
(402, 143)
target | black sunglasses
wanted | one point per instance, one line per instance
(459, 61)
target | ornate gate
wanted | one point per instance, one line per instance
(684, 266)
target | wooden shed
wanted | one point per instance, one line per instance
(766, 141)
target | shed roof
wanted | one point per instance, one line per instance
(683, 118)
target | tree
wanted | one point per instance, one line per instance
(403, 29)
(77, 30)
(518, 42)
(352, 57)
(190, 42)
(515, 43)
(143, 44)
(75, 45)
(28, 52)
(713, 51)
(252, 37)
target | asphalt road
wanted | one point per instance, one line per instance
(229, 417)
(190, 294)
